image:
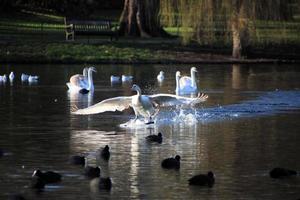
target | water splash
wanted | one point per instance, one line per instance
(268, 103)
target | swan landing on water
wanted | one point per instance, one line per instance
(146, 106)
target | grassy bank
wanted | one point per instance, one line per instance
(40, 38)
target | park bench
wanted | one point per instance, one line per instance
(89, 27)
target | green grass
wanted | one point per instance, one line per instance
(90, 52)
(35, 36)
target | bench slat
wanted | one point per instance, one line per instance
(89, 27)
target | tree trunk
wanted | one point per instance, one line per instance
(140, 18)
(236, 40)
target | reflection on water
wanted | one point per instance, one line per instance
(249, 125)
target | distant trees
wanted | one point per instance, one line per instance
(223, 20)
(141, 18)
(69, 7)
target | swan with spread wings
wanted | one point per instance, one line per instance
(146, 106)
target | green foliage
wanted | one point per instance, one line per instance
(210, 21)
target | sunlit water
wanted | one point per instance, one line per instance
(249, 124)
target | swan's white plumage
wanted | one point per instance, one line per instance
(11, 76)
(114, 78)
(161, 76)
(33, 78)
(146, 106)
(187, 84)
(126, 78)
(112, 104)
(24, 77)
(3, 78)
(82, 81)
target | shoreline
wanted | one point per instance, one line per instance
(141, 61)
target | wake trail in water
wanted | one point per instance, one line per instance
(268, 103)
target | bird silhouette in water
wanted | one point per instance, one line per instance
(171, 163)
(47, 177)
(105, 154)
(78, 160)
(279, 172)
(203, 179)
(37, 183)
(155, 138)
(92, 172)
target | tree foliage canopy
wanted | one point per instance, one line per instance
(212, 20)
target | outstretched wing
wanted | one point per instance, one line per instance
(164, 100)
(112, 104)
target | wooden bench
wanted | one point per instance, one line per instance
(89, 27)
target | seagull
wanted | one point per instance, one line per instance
(146, 106)
(33, 78)
(126, 78)
(24, 77)
(3, 78)
(160, 76)
(114, 79)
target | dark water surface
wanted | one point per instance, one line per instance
(249, 125)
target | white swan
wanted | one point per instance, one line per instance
(126, 78)
(146, 106)
(11, 76)
(188, 84)
(177, 78)
(160, 76)
(82, 83)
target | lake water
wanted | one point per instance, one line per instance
(249, 125)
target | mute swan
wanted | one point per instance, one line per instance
(161, 76)
(146, 106)
(114, 78)
(82, 83)
(188, 84)
(177, 78)
(11, 76)
(126, 78)
(76, 79)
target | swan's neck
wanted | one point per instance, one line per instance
(85, 72)
(193, 77)
(90, 80)
(177, 83)
(139, 92)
